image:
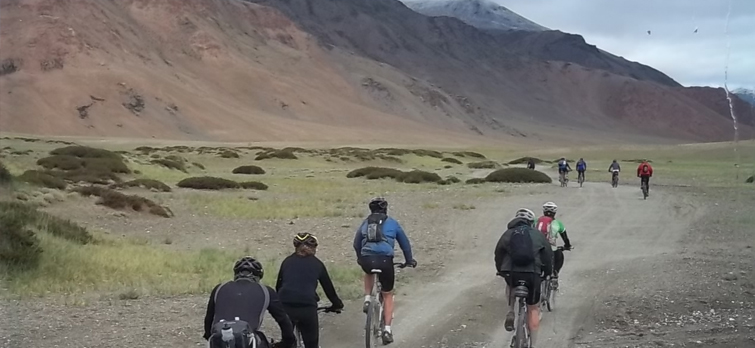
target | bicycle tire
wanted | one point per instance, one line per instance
(552, 300)
(521, 326)
(370, 328)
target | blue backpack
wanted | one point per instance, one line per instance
(581, 166)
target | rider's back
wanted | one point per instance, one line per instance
(391, 230)
(539, 243)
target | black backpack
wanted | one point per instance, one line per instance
(521, 247)
(375, 227)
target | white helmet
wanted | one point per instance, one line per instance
(550, 207)
(524, 213)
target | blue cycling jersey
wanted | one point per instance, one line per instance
(392, 231)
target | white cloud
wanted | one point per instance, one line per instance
(620, 27)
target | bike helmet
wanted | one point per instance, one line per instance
(248, 267)
(378, 205)
(550, 207)
(526, 214)
(305, 238)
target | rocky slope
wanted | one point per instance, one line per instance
(483, 14)
(301, 70)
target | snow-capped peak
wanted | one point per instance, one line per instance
(483, 14)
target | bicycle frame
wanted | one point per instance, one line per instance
(375, 318)
(521, 338)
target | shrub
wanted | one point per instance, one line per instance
(43, 179)
(525, 160)
(469, 154)
(281, 154)
(251, 170)
(475, 181)
(208, 183)
(419, 176)
(83, 175)
(451, 160)
(62, 162)
(119, 201)
(5, 176)
(751, 179)
(428, 153)
(518, 175)
(19, 247)
(453, 180)
(394, 152)
(85, 152)
(390, 159)
(483, 165)
(229, 154)
(150, 184)
(170, 164)
(198, 165)
(372, 173)
(253, 185)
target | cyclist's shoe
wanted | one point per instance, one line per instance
(509, 323)
(366, 307)
(387, 337)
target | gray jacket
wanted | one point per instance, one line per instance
(541, 249)
(614, 165)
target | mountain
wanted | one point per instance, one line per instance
(747, 95)
(357, 71)
(483, 14)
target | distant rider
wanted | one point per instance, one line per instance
(581, 168)
(297, 288)
(644, 172)
(523, 253)
(552, 229)
(242, 303)
(563, 167)
(531, 163)
(614, 169)
(374, 242)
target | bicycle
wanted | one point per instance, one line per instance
(581, 178)
(549, 288)
(521, 338)
(297, 333)
(615, 179)
(644, 187)
(375, 323)
(563, 179)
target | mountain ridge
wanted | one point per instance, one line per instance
(483, 14)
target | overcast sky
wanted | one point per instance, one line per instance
(621, 26)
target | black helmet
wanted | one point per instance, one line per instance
(305, 238)
(248, 267)
(378, 205)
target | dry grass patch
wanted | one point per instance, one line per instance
(119, 201)
(5, 177)
(170, 164)
(42, 179)
(149, 184)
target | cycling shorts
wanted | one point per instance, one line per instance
(387, 276)
(532, 282)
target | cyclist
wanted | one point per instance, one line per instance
(531, 163)
(563, 168)
(581, 167)
(242, 302)
(644, 172)
(614, 168)
(297, 288)
(374, 243)
(527, 259)
(552, 229)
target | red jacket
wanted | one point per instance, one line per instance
(640, 167)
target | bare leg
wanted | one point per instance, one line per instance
(533, 322)
(388, 308)
(367, 284)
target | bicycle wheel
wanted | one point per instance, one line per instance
(521, 326)
(552, 300)
(299, 342)
(371, 325)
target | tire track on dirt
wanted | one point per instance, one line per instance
(465, 306)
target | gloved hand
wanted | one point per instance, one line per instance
(335, 308)
(412, 263)
(567, 247)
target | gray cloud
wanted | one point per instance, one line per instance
(620, 27)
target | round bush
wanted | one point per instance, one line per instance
(43, 179)
(518, 175)
(474, 181)
(751, 179)
(208, 183)
(419, 176)
(483, 165)
(251, 170)
(451, 160)
(253, 185)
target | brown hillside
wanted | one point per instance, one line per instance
(301, 70)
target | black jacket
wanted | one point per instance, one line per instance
(541, 249)
(245, 298)
(297, 282)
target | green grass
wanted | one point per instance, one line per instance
(131, 268)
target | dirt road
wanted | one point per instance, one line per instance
(465, 306)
